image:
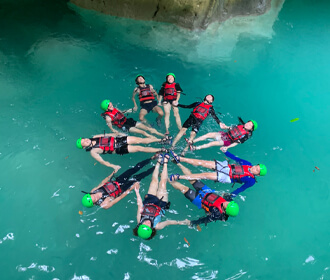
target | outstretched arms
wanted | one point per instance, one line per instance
(161, 225)
(138, 201)
(98, 158)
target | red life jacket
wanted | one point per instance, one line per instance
(107, 144)
(112, 188)
(170, 92)
(237, 132)
(145, 94)
(117, 117)
(150, 212)
(237, 172)
(212, 200)
(202, 110)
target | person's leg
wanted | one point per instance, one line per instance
(142, 175)
(210, 135)
(179, 135)
(136, 149)
(159, 111)
(142, 114)
(150, 129)
(208, 145)
(138, 140)
(192, 136)
(154, 180)
(186, 171)
(200, 176)
(199, 162)
(177, 117)
(167, 109)
(140, 131)
(162, 192)
(180, 187)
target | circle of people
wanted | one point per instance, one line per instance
(152, 208)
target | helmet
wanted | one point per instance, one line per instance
(105, 104)
(78, 143)
(139, 75)
(87, 201)
(255, 125)
(232, 209)
(172, 74)
(144, 231)
(263, 169)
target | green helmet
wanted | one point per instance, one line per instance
(232, 209)
(105, 104)
(78, 143)
(87, 201)
(255, 125)
(144, 231)
(172, 74)
(263, 169)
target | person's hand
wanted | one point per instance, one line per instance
(224, 149)
(116, 168)
(185, 222)
(136, 186)
(160, 104)
(135, 108)
(223, 126)
(175, 103)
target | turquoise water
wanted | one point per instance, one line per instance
(58, 62)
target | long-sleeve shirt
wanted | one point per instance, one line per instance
(247, 181)
(195, 104)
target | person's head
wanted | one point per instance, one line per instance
(231, 208)
(209, 99)
(144, 230)
(139, 79)
(106, 105)
(170, 78)
(259, 169)
(251, 125)
(88, 199)
(82, 143)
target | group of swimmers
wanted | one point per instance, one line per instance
(150, 210)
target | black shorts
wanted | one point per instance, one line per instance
(121, 146)
(149, 198)
(193, 122)
(149, 106)
(191, 194)
(168, 101)
(128, 124)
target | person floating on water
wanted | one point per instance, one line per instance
(235, 135)
(151, 210)
(115, 117)
(110, 144)
(147, 99)
(170, 92)
(196, 118)
(109, 192)
(242, 173)
(216, 207)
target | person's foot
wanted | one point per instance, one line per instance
(174, 177)
(176, 158)
(183, 153)
(160, 159)
(166, 158)
(167, 140)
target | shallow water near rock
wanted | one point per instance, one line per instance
(59, 62)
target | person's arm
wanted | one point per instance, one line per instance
(248, 182)
(214, 116)
(135, 91)
(161, 225)
(193, 105)
(154, 92)
(98, 158)
(109, 124)
(204, 220)
(178, 91)
(237, 159)
(225, 148)
(106, 179)
(107, 203)
(138, 201)
(105, 135)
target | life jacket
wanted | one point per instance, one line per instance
(238, 132)
(170, 92)
(237, 172)
(150, 212)
(109, 189)
(145, 94)
(202, 110)
(117, 117)
(107, 144)
(212, 200)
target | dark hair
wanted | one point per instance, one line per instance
(135, 230)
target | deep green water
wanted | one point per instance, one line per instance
(58, 62)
